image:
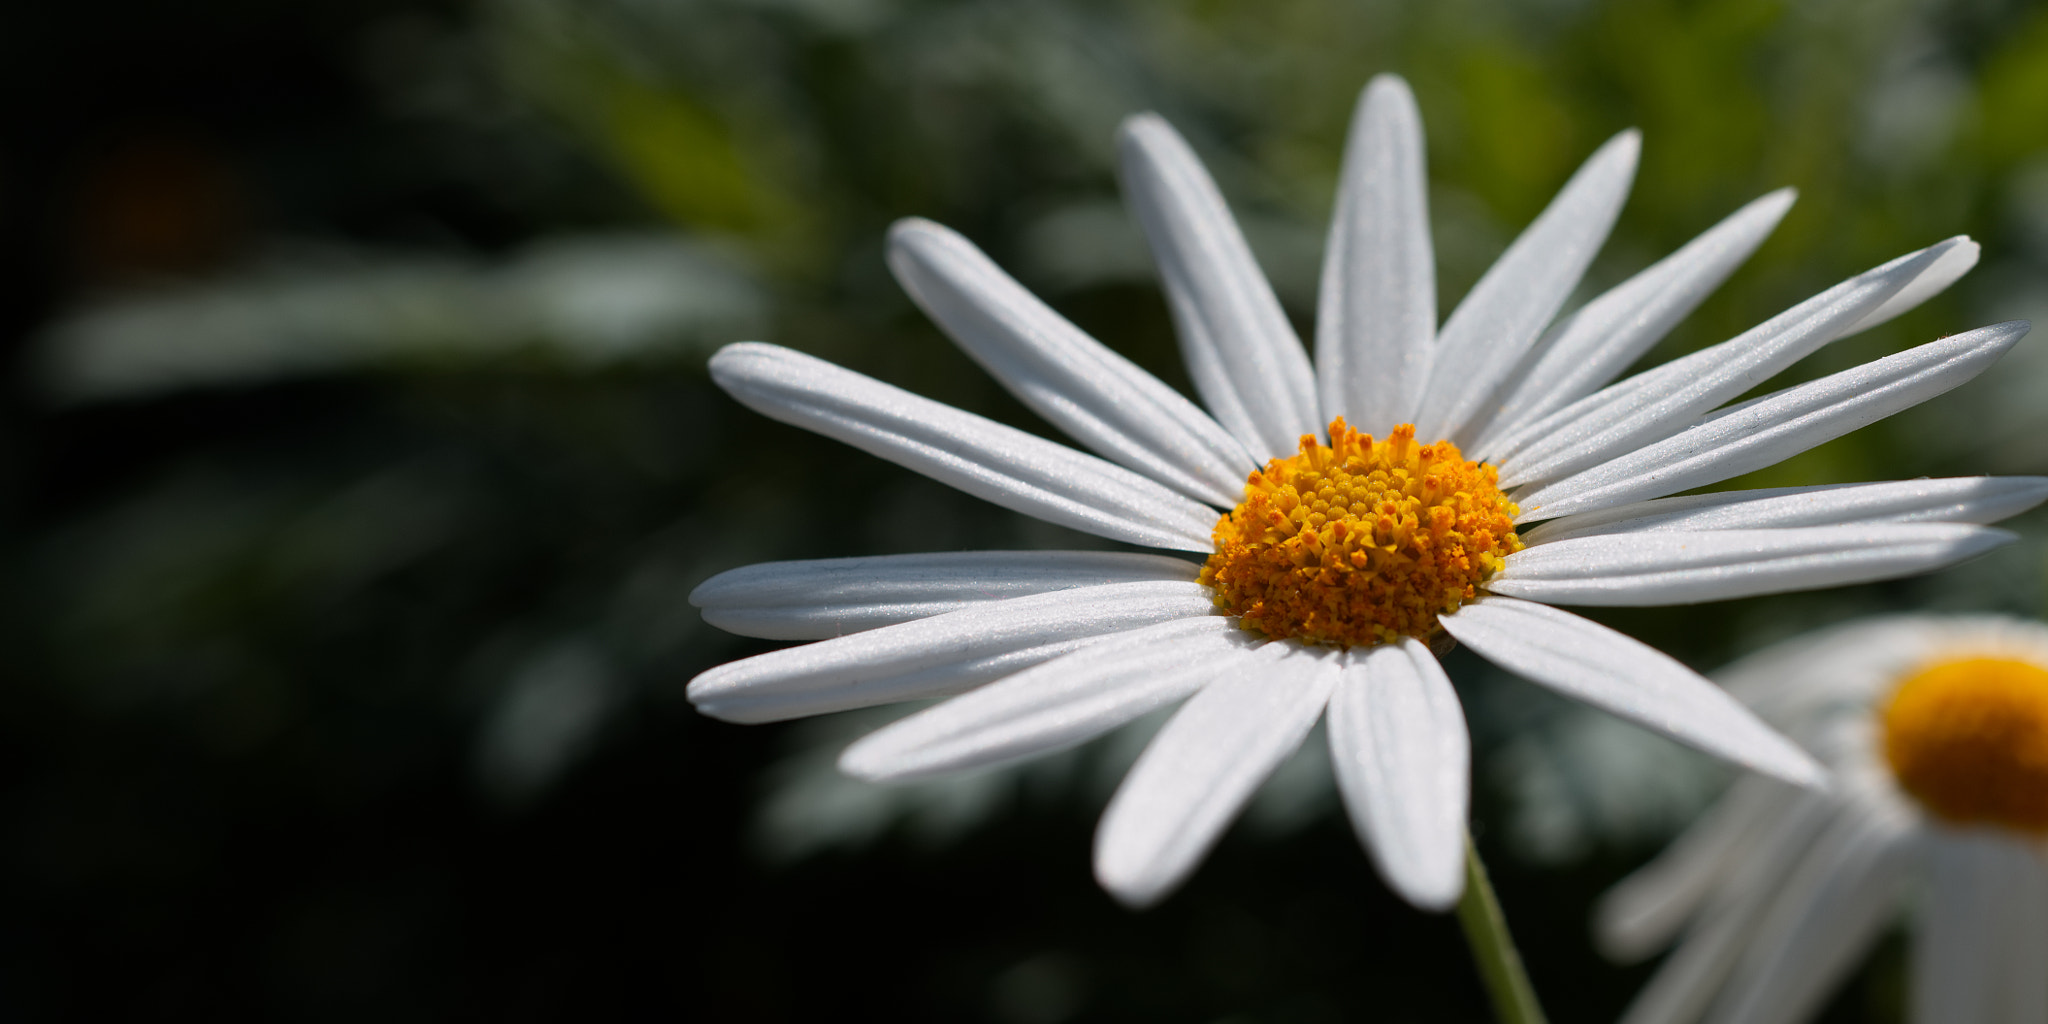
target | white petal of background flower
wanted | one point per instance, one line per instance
(1066, 701)
(1956, 937)
(1775, 427)
(1831, 909)
(1404, 764)
(1665, 400)
(1485, 338)
(1645, 911)
(1967, 499)
(1589, 662)
(1204, 765)
(1376, 311)
(1687, 568)
(937, 656)
(1586, 349)
(1245, 359)
(984, 458)
(816, 599)
(1072, 380)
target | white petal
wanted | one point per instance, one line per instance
(1834, 906)
(1954, 264)
(1634, 569)
(1586, 349)
(1689, 979)
(984, 458)
(1202, 767)
(1240, 349)
(1376, 312)
(1066, 701)
(827, 597)
(1773, 428)
(1486, 336)
(1645, 910)
(1588, 661)
(1955, 950)
(1671, 397)
(935, 656)
(1404, 765)
(1098, 397)
(1965, 499)
(2025, 987)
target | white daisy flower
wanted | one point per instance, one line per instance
(1937, 733)
(1338, 560)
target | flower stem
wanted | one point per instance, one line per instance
(1500, 964)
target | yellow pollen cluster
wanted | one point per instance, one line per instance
(1969, 739)
(1360, 543)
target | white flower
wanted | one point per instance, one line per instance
(1936, 730)
(1051, 648)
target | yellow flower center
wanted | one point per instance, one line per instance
(1969, 739)
(1360, 543)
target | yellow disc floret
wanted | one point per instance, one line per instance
(1358, 543)
(1968, 738)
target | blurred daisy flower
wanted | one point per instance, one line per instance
(1341, 549)
(1936, 730)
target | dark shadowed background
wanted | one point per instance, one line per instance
(357, 459)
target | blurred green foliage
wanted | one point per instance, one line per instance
(353, 490)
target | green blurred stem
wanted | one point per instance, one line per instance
(1500, 964)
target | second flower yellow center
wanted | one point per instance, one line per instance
(1360, 543)
(1968, 738)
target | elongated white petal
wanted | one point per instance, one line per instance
(1062, 702)
(1376, 312)
(1202, 767)
(1835, 905)
(935, 656)
(2025, 942)
(827, 597)
(1633, 569)
(1965, 499)
(1645, 910)
(1586, 349)
(1404, 765)
(1773, 428)
(1486, 336)
(1592, 663)
(1692, 976)
(1670, 397)
(1956, 952)
(1000, 464)
(1241, 351)
(1954, 263)
(1098, 397)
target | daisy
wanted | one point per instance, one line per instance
(1936, 730)
(1355, 516)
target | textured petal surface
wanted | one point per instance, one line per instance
(1589, 662)
(1062, 702)
(1954, 263)
(1683, 568)
(826, 597)
(1768, 430)
(1202, 767)
(984, 458)
(1376, 312)
(1404, 765)
(1241, 351)
(936, 656)
(1967, 499)
(1485, 338)
(1586, 349)
(1669, 398)
(1098, 397)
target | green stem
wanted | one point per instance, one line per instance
(1500, 964)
